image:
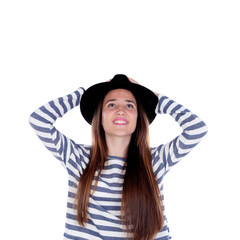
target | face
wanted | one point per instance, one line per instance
(119, 113)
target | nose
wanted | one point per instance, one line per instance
(120, 111)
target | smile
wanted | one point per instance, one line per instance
(120, 122)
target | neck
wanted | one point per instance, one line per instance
(118, 146)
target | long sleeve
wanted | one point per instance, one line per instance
(194, 129)
(42, 121)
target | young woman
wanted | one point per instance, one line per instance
(115, 185)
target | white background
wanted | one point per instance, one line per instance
(188, 50)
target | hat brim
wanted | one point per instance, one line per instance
(97, 92)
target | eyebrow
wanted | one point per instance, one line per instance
(112, 100)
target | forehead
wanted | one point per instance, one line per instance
(121, 94)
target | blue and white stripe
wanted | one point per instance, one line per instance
(105, 203)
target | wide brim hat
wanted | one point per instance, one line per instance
(97, 92)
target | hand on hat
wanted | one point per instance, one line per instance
(133, 81)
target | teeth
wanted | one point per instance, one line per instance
(121, 122)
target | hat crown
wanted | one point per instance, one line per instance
(120, 78)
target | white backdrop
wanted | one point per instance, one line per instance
(188, 50)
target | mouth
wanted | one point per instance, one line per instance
(120, 121)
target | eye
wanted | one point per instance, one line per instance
(111, 105)
(130, 106)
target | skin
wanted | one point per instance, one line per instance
(119, 119)
(118, 136)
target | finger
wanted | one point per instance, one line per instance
(133, 81)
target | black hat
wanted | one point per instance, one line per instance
(95, 93)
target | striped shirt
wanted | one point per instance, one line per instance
(104, 211)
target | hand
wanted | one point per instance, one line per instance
(133, 81)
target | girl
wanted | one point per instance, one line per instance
(115, 185)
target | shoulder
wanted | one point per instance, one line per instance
(155, 151)
(80, 157)
(84, 149)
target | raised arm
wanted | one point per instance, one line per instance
(194, 129)
(42, 121)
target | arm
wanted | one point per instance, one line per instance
(194, 129)
(42, 121)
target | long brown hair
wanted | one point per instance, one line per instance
(141, 209)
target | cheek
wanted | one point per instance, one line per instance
(104, 119)
(135, 117)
